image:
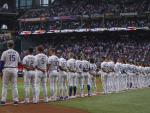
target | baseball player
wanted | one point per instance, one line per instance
(145, 77)
(62, 79)
(41, 73)
(29, 63)
(131, 74)
(120, 76)
(87, 77)
(118, 72)
(53, 71)
(104, 76)
(140, 78)
(134, 79)
(71, 64)
(93, 74)
(11, 60)
(128, 71)
(111, 86)
(149, 78)
(138, 75)
(80, 77)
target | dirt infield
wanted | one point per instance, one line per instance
(38, 108)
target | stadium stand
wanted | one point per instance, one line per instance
(132, 48)
(82, 14)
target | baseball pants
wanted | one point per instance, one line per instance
(29, 77)
(62, 83)
(10, 74)
(53, 78)
(41, 78)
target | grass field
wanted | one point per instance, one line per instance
(137, 101)
(129, 102)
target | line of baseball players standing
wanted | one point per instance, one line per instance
(122, 76)
(66, 77)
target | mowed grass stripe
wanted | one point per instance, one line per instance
(137, 101)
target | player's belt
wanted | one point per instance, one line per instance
(31, 70)
(10, 67)
(85, 71)
(53, 69)
(41, 69)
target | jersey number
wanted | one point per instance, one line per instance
(31, 63)
(42, 61)
(12, 58)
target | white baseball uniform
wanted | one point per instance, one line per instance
(71, 64)
(131, 74)
(80, 77)
(110, 82)
(29, 76)
(72, 76)
(139, 76)
(11, 59)
(104, 76)
(87, 77)
(134, 77)
(120, 77)
(41, 64)
(53, 61)
(93, 69)
(63, 77)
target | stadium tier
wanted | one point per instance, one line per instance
(78, 16)
(130, 46)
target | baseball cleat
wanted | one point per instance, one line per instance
(81, 95)
(89, 95)
(46, 101)
(60, 98)
(16, 103)
(93, 94)
(2, 103)
(35, 102)
(26, 102)
(66, 97)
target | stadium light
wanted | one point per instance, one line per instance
(4, 27)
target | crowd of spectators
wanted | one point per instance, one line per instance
(131, 50)
(76, 8)
(108, 23)
(84, 8)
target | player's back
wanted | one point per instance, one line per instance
(79, 66)
(104, 66)
(86, 65)
(71, 63)
(41, 61)
(111, 65)
(118, 67)
(11, 58)
(93, 67)
(54, 62)
(63, 63)
(29, 60)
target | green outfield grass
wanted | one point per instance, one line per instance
(137, 101)
(129, 102)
